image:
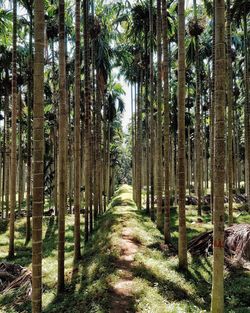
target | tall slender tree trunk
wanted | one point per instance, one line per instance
(77, 132)
(87, 125)
(104, 132)
(3, 160)
(159, 220)
(166, 123)
(182, 243)
(55, 130)
(247, 108)
(213, 115)
(217, 304)
(99, 98)
(152, 138)
(189, 163)
(20, 156)
(133, 141)
(211, 143)
(38, 158)
(139, 143)
(230, 117)
(29, 104)
(62, 158)
(108, 162)
(92, 170)
(146, 30)
(7, 147)
(13, 160)
(198, 132)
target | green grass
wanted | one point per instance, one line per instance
(158, 285)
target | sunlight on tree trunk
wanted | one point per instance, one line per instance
(217, 305)
(38, 155)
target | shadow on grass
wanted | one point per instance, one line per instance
(50, 238)
(237, 290)
(89, 288)
(168, 289)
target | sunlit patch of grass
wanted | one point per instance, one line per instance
(158, 282)
(243, 217)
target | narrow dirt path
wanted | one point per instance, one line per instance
(122, 293)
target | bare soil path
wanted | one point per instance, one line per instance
(122, 294)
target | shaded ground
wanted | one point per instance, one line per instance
(125, 269)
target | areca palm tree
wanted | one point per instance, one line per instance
(196, 31)
(182, 243)
(158, 156)
(38, 155)
(139, 34)
(62, 147)
(87, 119)
(230, 114)
(6, 169)
(5, 61)
(138, 148)
(240, 12)
(166, 122)
(13, 160)
(103, 55)
(28, 5)
(151, 96)
(217, 304)
(77, 143)
(30, 99)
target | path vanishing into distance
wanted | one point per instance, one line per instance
(142, 269)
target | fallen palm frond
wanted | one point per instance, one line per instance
(236, 243)
(14, 276)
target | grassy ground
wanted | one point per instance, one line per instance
(158, 286)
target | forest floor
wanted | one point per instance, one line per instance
(125, 267)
